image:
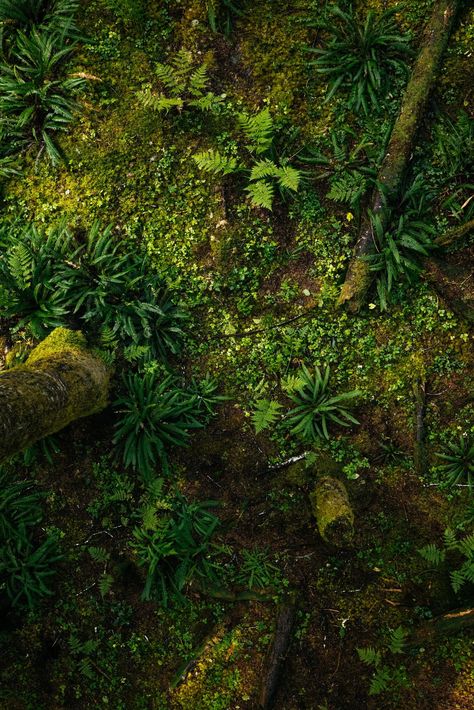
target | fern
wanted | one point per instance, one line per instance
(348, 188)
(432, 554)
(20, 263)
(266, 413)
(198, 81)
(258, 129)
(370, 656)
(105, 584)
(450, 539)
(212, 161)
(289, 178)
(261, 194)
(380, 681)
(263, 169)
(160, 102)
(397, 640)
(98, 554)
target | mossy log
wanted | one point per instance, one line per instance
(277, 653)
(455, 233)
(453, 622)
(455, 285)
(394, 166)
(61, 381)
(333, 512)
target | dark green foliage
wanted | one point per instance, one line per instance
(454, 145)
(401, 246)
(265, 414)
(459, 458)
(222, 14)
(256, 570)
(154, 414)
(174, 545)
(205, 392)
(56, 15)
(316, 408)
(47, 281)
(361, 57)
(29, 266)
(36, 98)
(463, 547)
(384, 677)
(25, 566)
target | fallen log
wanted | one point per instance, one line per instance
(394, 166)
(277, 653)
(451, 235)
(455, 285)
(333, 512)
(453, 622)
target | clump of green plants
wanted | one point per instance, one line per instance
(361, 57)
(37, 96)
(256, 570)
(221, 14)
(154, 414)
(183, 86)
(54, 14)
(173, 544)
(264, 170)
(454, 547)
(459, 462)
(26, 567)
(316, 408)
(385, 677)
(401, 246)
(56, 279)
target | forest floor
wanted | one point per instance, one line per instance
(260, 287)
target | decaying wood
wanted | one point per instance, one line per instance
(61, 381)
(455, 285)
(276, 656)
(455, 233)
(453, 622)
(399, 151)
(420, 453)
(333, 512)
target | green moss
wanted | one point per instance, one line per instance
(59, 342)
(332, 510)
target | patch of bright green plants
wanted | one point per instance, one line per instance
(360, 57)
(26, 566)
(183, 86)
(264, 170)
(316, 408)
(222, 14)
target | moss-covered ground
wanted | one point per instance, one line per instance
(261, 289)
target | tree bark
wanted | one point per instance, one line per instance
(277, 653)
(420, 453)
(333, 511)
(455, 285)
(61, 381)
(396, 161)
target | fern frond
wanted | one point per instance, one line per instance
(266, 413)
(211, 161)
(432, 554)
(258, 129)
(263, 169)
(457, 579)
(160, 102)
(20, 264)
(370, 656)
(289, 177)
(380, 681)
(261, 194)
(397, 640)
(105, 584)
(198, 81)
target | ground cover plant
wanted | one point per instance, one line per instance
(271, 474)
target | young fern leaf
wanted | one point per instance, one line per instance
(263, 169)
(370, 656)
(211, 161)
(258, 130)
(266, 413)
(289, 178)
(261, 193)
(397, 640)
(432, 554)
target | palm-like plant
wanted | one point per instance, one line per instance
(459, 458)
(316, 408)
(402, 245)
(174, 547)
(360, 56)
(154, 414)
(36, 99)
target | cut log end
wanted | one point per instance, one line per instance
(333, 512)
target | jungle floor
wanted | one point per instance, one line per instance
(260, 287)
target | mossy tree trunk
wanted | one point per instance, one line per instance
(61, 381)
(397, 158)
